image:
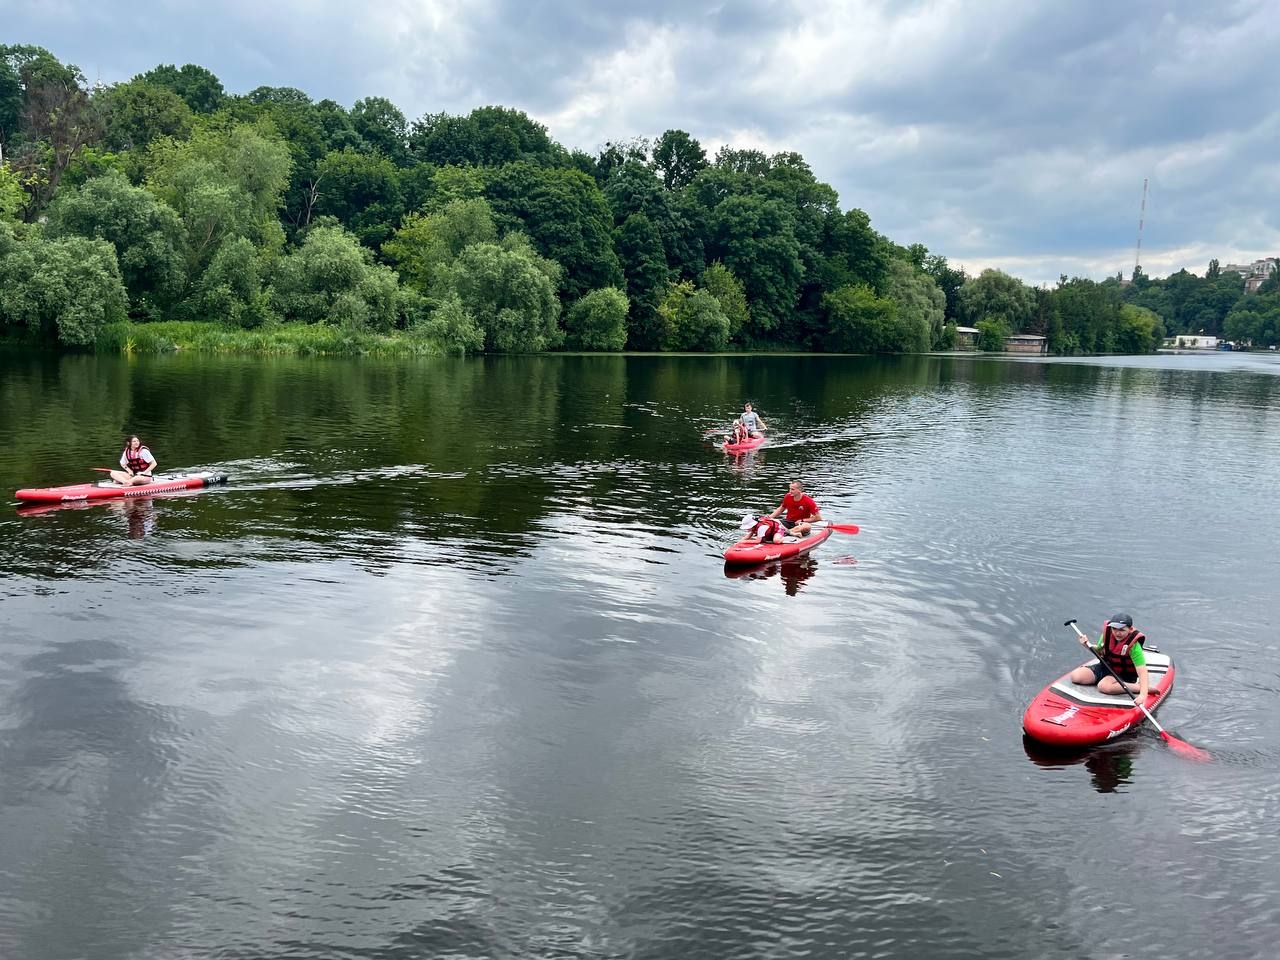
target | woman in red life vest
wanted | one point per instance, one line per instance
(138, 464)
(740, 433)
(1121, 647)
(801, 511)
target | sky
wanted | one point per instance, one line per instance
(1000, 133)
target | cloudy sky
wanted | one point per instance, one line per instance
(1006, 133)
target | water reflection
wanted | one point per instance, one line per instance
(794, 572)
(1110, 765)
(453, 666)
(137, 515)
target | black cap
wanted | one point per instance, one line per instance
(1120, 620)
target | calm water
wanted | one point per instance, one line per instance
(453, 669)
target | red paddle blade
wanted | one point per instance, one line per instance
(844, 527)
(1184, 749)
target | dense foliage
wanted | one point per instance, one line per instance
(168, 198)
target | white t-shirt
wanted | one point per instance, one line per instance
(143, 454)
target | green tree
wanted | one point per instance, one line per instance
(644, 266)
(634, 188)
(10, 100)
(427, 244)
(12, 196)
(65, 289)
(858, 321)
(618, 153)
(199, 88)
(567, 218)
(223, 182)
(450, 326)
(486, 137)
(994, 295)
(231, 289)
(677, 158)
(719, 281)
(598, 321)
(1140, 330)
(921, 305)
(510, 295)
(332, 279)
(992, 331)
(362, 191)
(58, 120)
(146, 234)
(755, 238)
(950, 280)
(692, 319)
(853, 253)
(138, 112)
(382, 126)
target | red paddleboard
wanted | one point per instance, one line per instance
(1067, 714)
(109, 489)
(749, 444)
(753, 551)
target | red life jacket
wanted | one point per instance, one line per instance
(1116, 652)
(136, 463)
(766, 529)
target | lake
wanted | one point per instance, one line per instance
(453, 668)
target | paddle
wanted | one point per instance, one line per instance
(101, 469)
(1177, 746)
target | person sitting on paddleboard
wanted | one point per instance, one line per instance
(751, 420)
(1121, 647)
(138, 463)
(739, 434)
(801, 511)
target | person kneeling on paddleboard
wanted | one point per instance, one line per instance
(138, 463)
(767, 530)
(801, 511)
(1121, 647)
(751, 420)
(739, 435)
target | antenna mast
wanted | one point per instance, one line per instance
(1142, 215)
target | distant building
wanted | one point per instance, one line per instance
(966, 338)
(1026, 343)
(1255, 274)
(1191, 342)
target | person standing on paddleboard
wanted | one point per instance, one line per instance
(138, 463)
(1121, 647)
(801, 510)
(751, 420)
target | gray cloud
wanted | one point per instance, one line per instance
(1000, 133)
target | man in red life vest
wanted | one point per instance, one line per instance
(801, 512)
(1121, 647)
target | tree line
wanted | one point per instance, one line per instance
(166, 197)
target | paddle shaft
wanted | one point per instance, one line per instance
(1123, 686)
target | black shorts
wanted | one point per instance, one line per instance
(1100, 671)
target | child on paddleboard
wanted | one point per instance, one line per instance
(1120, 646)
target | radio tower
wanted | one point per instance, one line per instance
(1142, 215)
